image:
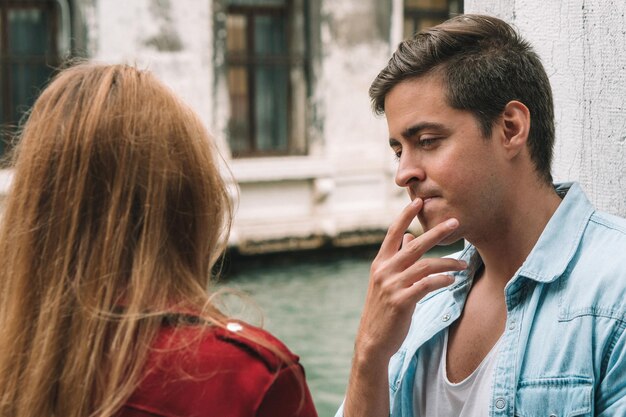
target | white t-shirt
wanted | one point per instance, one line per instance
(435, 395)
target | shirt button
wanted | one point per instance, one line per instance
(445, 317)
(512, 325)
(500, 403)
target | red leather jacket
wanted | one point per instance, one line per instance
(196, 371)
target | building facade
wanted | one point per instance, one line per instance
(282, 86)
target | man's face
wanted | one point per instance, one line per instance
(444, 158)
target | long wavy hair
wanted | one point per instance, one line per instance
(117, 213)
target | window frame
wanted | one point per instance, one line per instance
(416, 14)
(290, 60)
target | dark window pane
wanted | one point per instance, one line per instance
(427, 4)
(258, 62)
(236, 26)
(2, 97)
(28, 32)
(26, 60)
(257, 2)
(269, 35)
(456, 7)
(271, 108)
(423, 14)
(239, 127)
(429, 22)
(26, 81)
(409, 27)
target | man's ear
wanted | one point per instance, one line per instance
(515, 127)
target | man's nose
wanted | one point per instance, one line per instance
(409, 170)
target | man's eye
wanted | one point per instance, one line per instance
(428, 141)
(397, 154)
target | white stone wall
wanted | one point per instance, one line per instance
(125, 31)
(582, 45)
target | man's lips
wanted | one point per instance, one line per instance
(425, 195)
(426, 198)
(427, 203)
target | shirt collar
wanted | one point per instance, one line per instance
(561, 237)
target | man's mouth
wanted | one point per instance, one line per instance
(427, 199)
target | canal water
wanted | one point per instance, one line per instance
(313, 306)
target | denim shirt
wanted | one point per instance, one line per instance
(563, 351)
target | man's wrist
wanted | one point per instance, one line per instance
(369, 363)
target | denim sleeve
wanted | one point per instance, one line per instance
(611, 393)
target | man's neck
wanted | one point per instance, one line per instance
(507, 248)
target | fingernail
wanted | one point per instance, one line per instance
(416, 201)
(463, 264)
(452, 223)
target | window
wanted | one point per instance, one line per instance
(28, 56)
(421, 14)
(265, 78)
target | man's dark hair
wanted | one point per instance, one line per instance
(484, 64)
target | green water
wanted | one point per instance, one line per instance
(314, 307)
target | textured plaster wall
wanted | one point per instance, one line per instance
(581, 44)
(354, 51)
(172, 38)
(355, 45)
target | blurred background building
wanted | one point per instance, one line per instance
(281, 84)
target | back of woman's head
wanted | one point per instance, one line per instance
(116, 214)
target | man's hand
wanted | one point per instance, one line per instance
(399, 278)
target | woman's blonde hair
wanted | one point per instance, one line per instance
(116, 216)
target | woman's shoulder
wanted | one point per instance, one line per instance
(222, 370)
(235, 341)
(254, 341)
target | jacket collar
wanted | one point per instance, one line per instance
(561, 237)
(555, 248)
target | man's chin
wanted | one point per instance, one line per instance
(449, 240)
(427, 225)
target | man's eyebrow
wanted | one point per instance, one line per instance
(411, 131)
(393, 143)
